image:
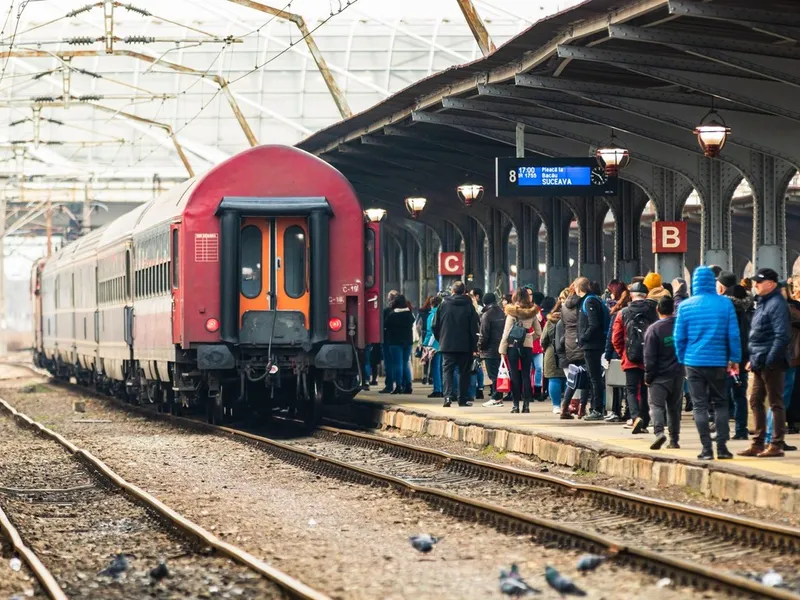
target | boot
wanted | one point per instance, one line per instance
(722, 452)
(706, 454)
(479, 394)
(753, 450)
(515, 408)
(772, 451)
(525, 407)
(581, 410)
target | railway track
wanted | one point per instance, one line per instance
(663, 538)
(79, 514)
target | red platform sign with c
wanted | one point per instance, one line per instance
(451, 263)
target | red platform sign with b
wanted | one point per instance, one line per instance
(670, 236)
(451, 263)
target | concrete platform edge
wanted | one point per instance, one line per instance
(719, 480)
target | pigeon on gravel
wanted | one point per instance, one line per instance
(772, 578)
(589, 562)
(563, 585)
(160, 572)
(423, 542)
(117, 566)
(512, 583)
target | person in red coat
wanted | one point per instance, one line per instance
(627, 337)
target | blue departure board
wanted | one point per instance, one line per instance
(544, 176)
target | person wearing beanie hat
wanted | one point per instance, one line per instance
(652, 280)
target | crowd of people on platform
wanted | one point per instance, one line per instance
(716, 345)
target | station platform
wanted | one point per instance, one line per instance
(606, 448)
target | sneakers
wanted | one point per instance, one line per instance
(638, 426)
(659, 441)
(628, 424)
(436, 395)
(556, 410)
(593, 416)
(515, 410)
(612, 418)
(566, 416)
(723, 453)
(465, 402)
(706, 454)
(526, 408)
(424, 381)
(447, 402)
(674, 446)
(492, 402)
(385, 391)
(753, 450)
(772, 451)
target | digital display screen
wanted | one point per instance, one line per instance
(551, 176)
(554, 175)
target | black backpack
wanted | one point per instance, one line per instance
(516, 337)
(636, 324)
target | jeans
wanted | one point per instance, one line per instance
(538, 362)
(637, 395)
(520, 377)
(555, 387)
(396, 365)
(595, 371)
(570, 392)
(492, 367)
(665, 402)
(788, 390)
(406, 371)
(707, 387)
(739, 395)
(451, 360)
(436, 372)
(387, 366)
(768, 384)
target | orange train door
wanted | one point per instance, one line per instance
(291, 265)
(274, 265)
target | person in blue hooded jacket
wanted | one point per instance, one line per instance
(707, 344)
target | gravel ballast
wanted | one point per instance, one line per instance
(347, 540)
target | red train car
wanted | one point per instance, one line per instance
(256, 283)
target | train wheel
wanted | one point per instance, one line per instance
(312, 409)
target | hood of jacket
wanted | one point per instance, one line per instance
(573, 301)
(641, 306)
(703, 282)
(461, 300)
(518, 312)
(744, 305)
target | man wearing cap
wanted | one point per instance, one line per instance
(769, 359)
(728, 286)
(707, 345)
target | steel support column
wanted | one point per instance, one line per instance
(590, 212)
(627, 208)
(715, 239)
(671, 195)
(410, 283)
(498, 255)
(473, 256)
(557, 276)
(769, 180)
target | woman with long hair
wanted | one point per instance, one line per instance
(399, 327)
(556, 381)
(519, 353)
(619, 298)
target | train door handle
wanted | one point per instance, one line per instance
(277, 262)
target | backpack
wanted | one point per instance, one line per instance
(606, 312)
(636, 324)
(516, 337)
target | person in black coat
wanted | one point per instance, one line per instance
(456, 327)
(493, 320)
(770, 333)
(399, 336)
(663, 375)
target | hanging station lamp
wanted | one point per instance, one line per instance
(712, 133)
(469, 193)
(375, 215)
(415, 205)
(612, 157)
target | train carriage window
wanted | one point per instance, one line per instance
(251, 261)
(369, 259)
(127, 281)
(294, 259)
(175, 264)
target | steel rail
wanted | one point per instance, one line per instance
(290, 585)
(682, 572)
(42, 574)
(785, 539)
